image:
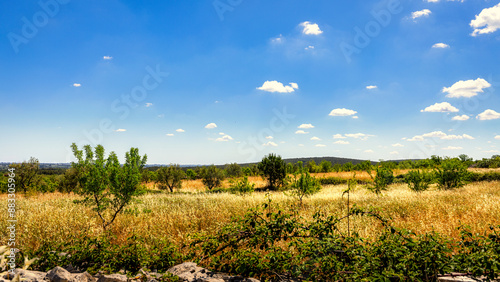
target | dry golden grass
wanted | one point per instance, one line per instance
(54, 217)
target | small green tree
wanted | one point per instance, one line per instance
(170, 177)
(105, 184)
(26, 173)
(305, 186)
(451, 174)
(211, 176)
(325, 166)
(191, 174)
(384, 176)
(233, 170)
(418, 181)
(274, 168)
(242, 186)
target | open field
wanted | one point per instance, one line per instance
(53, 217)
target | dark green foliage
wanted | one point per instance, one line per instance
(383, 178)
(305, 186)
(242, 186)
(348, 167)
(211, 176)
(487, 176)
(191, 174)
(274, 168)
(331, 180)
(170, 177)
(451, 174)
(69, 181)
(233, 170)
(105, 184)
(26, 174)
(418, 181)
(325, 166)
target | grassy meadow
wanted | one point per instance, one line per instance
(54, 218)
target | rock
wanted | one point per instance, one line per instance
(59, 274)
(190, 272)
(113, 278)
(29, 275)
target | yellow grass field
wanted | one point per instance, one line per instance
(54, 217)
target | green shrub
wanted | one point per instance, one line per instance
(242, 186)
(170, 177)
(418, 181)
(383, 178)
(452, 173)
(306, 185)
(211, 176)
(331, 180)
(274, 168)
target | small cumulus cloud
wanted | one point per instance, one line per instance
(169, 134)
(301, 132)
(269, 137)
(107, 57)
(278, 40)
(310, 28)
(466, 88)
(491, 151)
(452, 148)
(306, 126)
(461, 118)
(497, 137)
(310, 47)
(320, 145)
(76, 85)
(488, 115)
(148, 105)
(275, 86)
(487, 21)
(211, 125)
(314, 138)
(342, 112)
(421, 13)
(369, 87)
(440, 46)
(440, 135)
(440, 108)
(270, 144)
(368, 151)
(341, 142)
(338, 136)
(180, 130)
(397, 145)
(394, 153)
(120, 130)
(224, 138)
(361, 136)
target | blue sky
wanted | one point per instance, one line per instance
(201, 82)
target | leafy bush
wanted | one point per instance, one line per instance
(418, 181)
(274, 168)
(331, 180)
(233, 170)
(451, 174)
(211, 176)
(383, 178)
(242, 186)
(306, 185)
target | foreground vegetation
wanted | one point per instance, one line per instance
(380, 222)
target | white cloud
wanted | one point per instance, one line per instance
(320, 145)
(120, 130)
(275, 86)
(269, 137)
(421, 13)
(452, 148)
(211, 125)
(342, 112)
(314, 138)
(342, 142)
(441, 135)
(488, 115)
(222, 133)
(169, 134)
(148, 105)
(338, 136)
(368, 151)
(270, 144)
(440, 108)
(467, 88)
(77, 84)
(180, 130)
(355, 117)
(161, 116)
(107, 58)
(440, 45)
(394, 153)
(310, 47)
(371, 87)
(224, 138)
(461, 118)
(301, 145)
(361, 136)
(311, 28)
(306, 126)
(491, 151)
(301, 132)
(278, 40)
(487, 21)
(397, 145)
(497, 137)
